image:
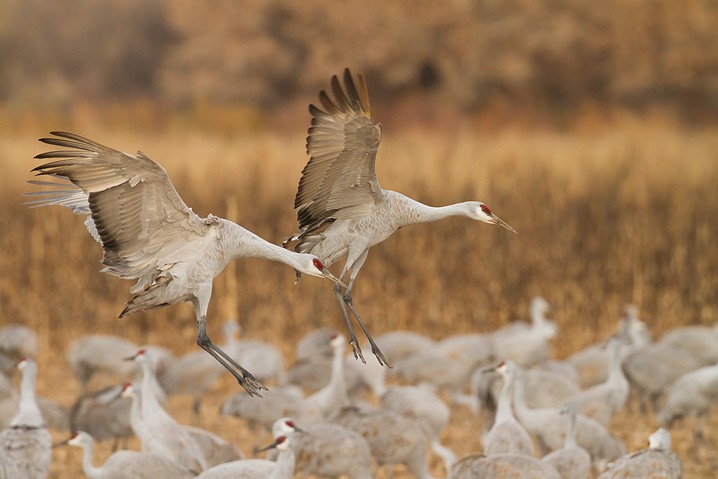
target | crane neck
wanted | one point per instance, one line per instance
(28, 413)
(417, 212)
(88, 451)
(504, 410)
(242, 243)
(570, 440)
(526, 416)
(284, 467)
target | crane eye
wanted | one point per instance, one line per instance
(290, 423)
(486, 210)
(318, 264)
(281, 439)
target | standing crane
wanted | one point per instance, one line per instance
(126, 464)
(148, 233)
(341, 209)
(27, 441)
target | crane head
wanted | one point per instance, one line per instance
(311, 265)
(480, 212)
(127, 390)
(279, 443)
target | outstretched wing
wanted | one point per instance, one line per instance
(134, 210)
(339, 181)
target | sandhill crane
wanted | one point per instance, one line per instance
(544, 388)
(591, 363)
(693, 394)
(506, 435)
(571, 461)
(149, 234)
(17, 341)
(398, 345)
(283, 468)
(392, 438)
(314, 343)
(101, 353)
(326, 450)
(27, 440)
(314, 372)
(341, 209)
(524, 344)
(200, 448)
(657, 460)
(158, 432)
(548, 427)
(126, 464)
(279, 401)
(478, 466)
(422, 405)
(54, 414)
(700, 342)
(602, 401)
(103, 414)
(433, 367)
(326, 402)
(651, 368)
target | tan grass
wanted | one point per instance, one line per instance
(606, 217)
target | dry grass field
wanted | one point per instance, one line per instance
(606, 216)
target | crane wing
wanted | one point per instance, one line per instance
(339, 181)
(134, 210)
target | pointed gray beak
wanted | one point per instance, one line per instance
(327, 274)
(499, 222)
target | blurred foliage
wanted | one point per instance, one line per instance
(555, 55)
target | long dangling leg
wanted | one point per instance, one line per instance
(352, 337)
(347, 300)
(243, 377)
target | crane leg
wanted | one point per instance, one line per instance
(352, 337)
(347, 300)
(244, 377)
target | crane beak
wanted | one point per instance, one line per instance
(61, 443)
(266, 448)
(327, 274)
(499, 222)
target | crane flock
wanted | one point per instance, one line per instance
(148, 234)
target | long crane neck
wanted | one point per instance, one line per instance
(88, 451)
(28, 413)
(504, 410)
(413, 212)
(242, 243)
(284, 467)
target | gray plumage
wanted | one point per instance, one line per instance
(392, 438)
(341, 209)
(279, 401)
(327, 450)
(101, 354)
(507, 435)
(282, 468)
(102, 414)
(692, 395)
(431, 414)
(571, 461)
(27, 440)
(602, 401)
(158, 432)
(17, 342)
(126, 464)
(548, 426)
(652, 368)
(656, 461)
(515, 466)
(149, 234)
